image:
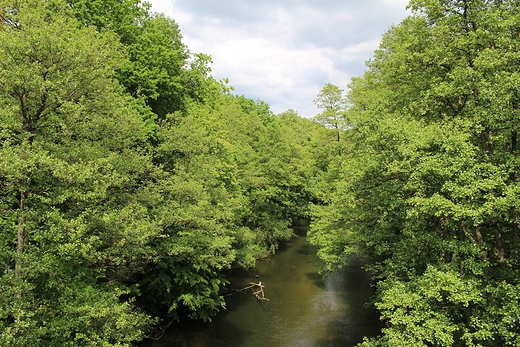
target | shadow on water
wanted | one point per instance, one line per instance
(317, 279)
(306, 249)
(305, 309)
(202, 335)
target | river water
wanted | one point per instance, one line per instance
(304, 309)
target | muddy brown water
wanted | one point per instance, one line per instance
(304, 309)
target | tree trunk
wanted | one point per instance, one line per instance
(18, 277)
(499, 239)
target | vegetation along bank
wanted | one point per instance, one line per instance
(131, 179)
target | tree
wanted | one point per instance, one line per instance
(156, 64)
(118, 16)
(330, 99)
(66, 170)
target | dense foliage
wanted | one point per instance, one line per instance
(429, 176)
(130, 179)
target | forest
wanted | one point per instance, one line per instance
(131, 180)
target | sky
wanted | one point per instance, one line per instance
(284, 51)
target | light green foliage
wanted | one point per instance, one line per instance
(426, 310)
(194, 209)
(277, 177)
(330, 99)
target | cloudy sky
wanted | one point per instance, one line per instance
(284, 51)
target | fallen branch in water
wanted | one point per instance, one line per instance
(159, 331)
(259, 294)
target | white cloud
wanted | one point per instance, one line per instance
(283, 52)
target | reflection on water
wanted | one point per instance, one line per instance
(305, 310)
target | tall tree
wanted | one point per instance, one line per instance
(330, 99)
(66, 169)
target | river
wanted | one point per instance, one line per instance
(304, 309)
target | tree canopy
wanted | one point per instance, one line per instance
(131, 180)
(429, 181)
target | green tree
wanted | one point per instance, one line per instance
(68, 163)
(330, 99)
(119, 16)
(155, 68)
(193, 200)
(159, 70)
